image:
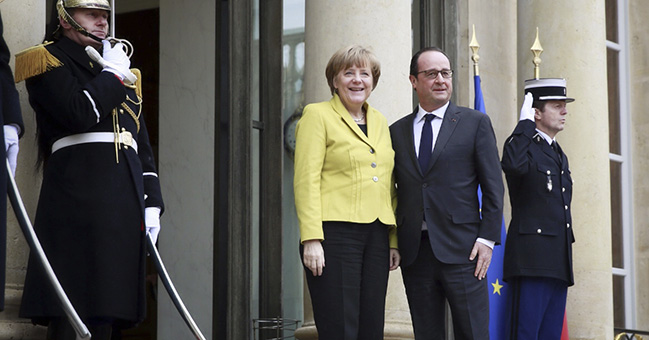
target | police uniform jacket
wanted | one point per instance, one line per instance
(540, 235)
(341, 174)
(91, 208)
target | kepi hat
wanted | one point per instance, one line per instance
(548, 89)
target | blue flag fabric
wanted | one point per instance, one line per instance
(498, 290)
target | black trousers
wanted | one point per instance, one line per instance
(349, 298)
(429, 283)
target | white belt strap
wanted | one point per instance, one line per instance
(124, 138)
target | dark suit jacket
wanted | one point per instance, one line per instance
(540, 236)
(465, 156)
(9, 114)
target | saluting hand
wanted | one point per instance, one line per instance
(527, 111)
(484, 253)
(313, 256)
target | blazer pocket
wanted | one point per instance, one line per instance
(536, 227)
(465, 217)
(548, 177)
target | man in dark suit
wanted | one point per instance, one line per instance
(443, 153)
(12, 128)
(538, 251)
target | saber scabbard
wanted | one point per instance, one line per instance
(28, 230)
(169, 286)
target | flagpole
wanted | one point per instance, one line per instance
(537, 50)
(474, 51)
(112, 18)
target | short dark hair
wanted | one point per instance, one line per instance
(414, 62)
(539, 104)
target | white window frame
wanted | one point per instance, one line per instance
(625, 159)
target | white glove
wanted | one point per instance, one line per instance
(152, 222)
(114, 61)
(11, 146)
(527, 111)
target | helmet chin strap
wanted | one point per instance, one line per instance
(128, 48)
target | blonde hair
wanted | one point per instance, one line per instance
(354, 55)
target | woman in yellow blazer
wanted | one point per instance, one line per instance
(343, 183)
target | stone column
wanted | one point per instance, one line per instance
(24, 26)
(187, 169)
(383, 26)
(638, 89)
(572, 36)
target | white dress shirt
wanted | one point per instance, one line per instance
(418, 124)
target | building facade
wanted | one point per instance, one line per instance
(227, 80)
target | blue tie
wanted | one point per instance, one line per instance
(426, 144)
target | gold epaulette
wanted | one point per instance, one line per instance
(138, 82)
(34, 61)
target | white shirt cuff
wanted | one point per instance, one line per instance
(488, 243)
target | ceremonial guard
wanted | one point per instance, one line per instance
(538, 251)
(12, 122)
(100, 193)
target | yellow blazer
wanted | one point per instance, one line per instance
(340, 173)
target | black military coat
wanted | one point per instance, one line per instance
(91, 207)
(540, 235)
(9, 114)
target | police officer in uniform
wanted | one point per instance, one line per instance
(100, 193)
(538, 251)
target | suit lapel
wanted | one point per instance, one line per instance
(548, 150)
(340, 109)
(561, 155)
(407, 132)
(451, 119)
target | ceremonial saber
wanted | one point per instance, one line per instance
(28, 230)
(112, 18)
(173, 294)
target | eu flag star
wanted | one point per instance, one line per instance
(497, 287)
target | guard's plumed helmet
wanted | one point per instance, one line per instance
(62, 5)
(96, 4)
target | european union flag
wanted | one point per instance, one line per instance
(497, 288)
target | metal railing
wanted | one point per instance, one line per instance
(274, 328)
(630, 334)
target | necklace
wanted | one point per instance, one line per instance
(357, 120)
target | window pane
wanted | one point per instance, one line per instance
(619, 319)
(255, 165)
(611, 20)
(616, 215)
(254, 62)
(613, 101)
(293, 101)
